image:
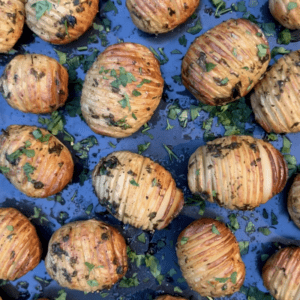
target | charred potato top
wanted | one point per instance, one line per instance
(62, 21)
(121, 90)
(35, 83)
(20, 247)
(293, 202)
(12, 18)
(35, 161)
(286, 12)
(209, 258)
(136, 190)
(87, 256)
(276, 98)
(159, 17)
(237, 172)
(281, 274)
(225, 62)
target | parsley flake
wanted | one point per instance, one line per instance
(215, 230)
(184, 240)
(133, 182)
(41, 7)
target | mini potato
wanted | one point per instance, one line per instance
(121, 90)
(20, 247)
(35, 161)
(209, 258)
(168, 297)
(87, 256)
(159, 17)
(275, 100)
(12, 18)
(225, 63)
(293, 202)
(286, 12)
(35, 83)
(237, 172)
(136, 190)
(60, 22)
(281, 274)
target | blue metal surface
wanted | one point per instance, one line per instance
(184, 142)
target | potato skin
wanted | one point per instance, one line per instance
(12, 19)
(100, 100)
(293, 201)
(237, 172)
(65, 22)
(159, 17)
(20, 246)
(232, 47)
(275, 100)
(281, 274)
(35, 83)
(52, 161)
(150, 205)
(289, 18)
(168, 297)
(93, 242)
(206, 255)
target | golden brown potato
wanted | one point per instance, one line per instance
(276, 98)
(35, 83)
(237, 172)
(87, 256)
(12, 18)
(35, 161)
(281, 274)
(293, 202)
(168, 297)
(61, 21)
(136, 190)
(209, 258)
(286, 12)
(159, 17)
(20, 247)
(225, 63)
(121, 90)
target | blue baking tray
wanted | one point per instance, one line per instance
(78, 201)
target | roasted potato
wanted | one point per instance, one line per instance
(281, 274)
(12, 19)
(286, 12)
(136, 190)
(237, 172)
(34, 83)
(87, 256)
(60, 21)
(225, 62)
(209, 258)
(20, 247)
(35, 161)
(168, 297)
(121, 90)
(159, 17)
(293, 202)
(275, 100)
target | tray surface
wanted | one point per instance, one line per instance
(78, 201)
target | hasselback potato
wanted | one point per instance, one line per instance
(225, 62)
(35, 161)
(281, 274)
(237, 172)
(12, 18)
(20, 247)
(293, 202)
(275, 100)
(121, 90)
(159, 17)
(168, 297)
(60, 22)
(286, 12)
(209, 258)
(87, 256)
(34, 83)
(136, 190)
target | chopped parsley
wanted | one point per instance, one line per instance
(284, 37)
(142, 238)
(41, 7)
(233, 277)
(92, 283)
(143, 147)
(10, 228)
(89, 266)
(170, 152)
(244, 247)
(209, 66)
(39, 136)
(143, 82)
(262, 50)
(279, 50)
(133, 182)
(169, 127)
(28, 170)
(292, 5)
(215, 230)
(184, 240)
(196, 28)
(4, 170)
(264, 230)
